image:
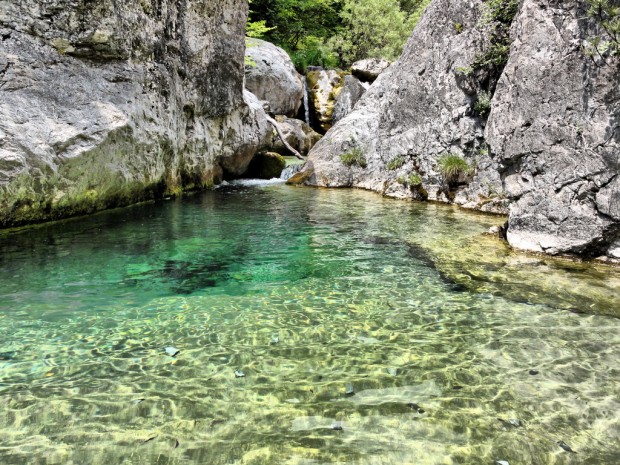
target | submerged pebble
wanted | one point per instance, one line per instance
(172, 351)
(7, 356)
(416, 407)
(534, 372)
(275, 339)
(501, 462)
(239, 374)
(349, 390)
(392, 371)
(566, 447)
(337, 426)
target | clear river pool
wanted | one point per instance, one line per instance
(312, 327)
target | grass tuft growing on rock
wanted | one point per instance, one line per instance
(451, 166)
(396, 163)
(413, 180)
(354, 157)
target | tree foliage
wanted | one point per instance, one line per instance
(332, 32)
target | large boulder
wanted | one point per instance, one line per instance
(271, 76)
(548, 149)
(109, 104)
(368, 70)
(351, 91)
(297, 134)
(412, 115)
(554, 128)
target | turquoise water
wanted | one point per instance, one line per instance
(457, 350)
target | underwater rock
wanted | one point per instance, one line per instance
(501, 462)
(7, 356)
(349, 390)
(566, 447)
(533, 372)
(172, 351)
(337, 426)
(416, 407)
(239, 374)
(392, 371)
(275, 339)
(511, 423)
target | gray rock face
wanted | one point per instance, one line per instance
(555, 128)
(414, 113)
(550, 148)
(105, 104)
(271, 76)
(297, 133)
(369, 70)
(350, 93)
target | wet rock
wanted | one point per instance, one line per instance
(369, 70)
(172, 351)
(566, 447)
(271, 76)
(267, 165)
(239, 374)
(350, 93)
(349, 390)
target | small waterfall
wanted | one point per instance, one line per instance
(290, 170)
(306, 101)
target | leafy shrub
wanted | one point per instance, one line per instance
(607, 13)
(313, 52)
(483, 103)
(396, 163)
(354, 157)
(451, 166)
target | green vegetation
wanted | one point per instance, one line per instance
(413, 180)
(452, 166)
(354, 157)
(332, 33)
(396, 163)
(607, 14)
(483, 103)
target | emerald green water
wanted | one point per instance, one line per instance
(435, 327)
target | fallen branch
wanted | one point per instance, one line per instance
(274, 123)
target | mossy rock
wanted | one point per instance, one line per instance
(267, 165)
(300, 178)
